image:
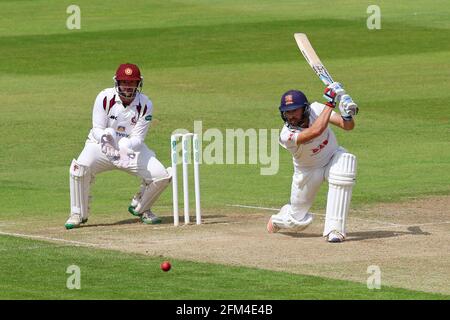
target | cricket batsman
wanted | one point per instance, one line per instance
(120, 121)
(317, 157)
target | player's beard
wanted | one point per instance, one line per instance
(301, 123)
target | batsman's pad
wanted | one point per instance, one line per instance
(80, 181)
(341, 178)
(285, 220)
(149, 193)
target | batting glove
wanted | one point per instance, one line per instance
(333, 94)
(348, 107)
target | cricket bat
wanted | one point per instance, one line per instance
(313, 59)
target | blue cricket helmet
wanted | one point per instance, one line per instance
(292, 100)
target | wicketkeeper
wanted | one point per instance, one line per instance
(120, 122)
(317, 158)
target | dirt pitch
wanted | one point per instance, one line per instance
(408, 241)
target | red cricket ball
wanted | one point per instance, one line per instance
(165, 266)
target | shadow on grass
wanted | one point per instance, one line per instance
(121, 222)
(301, 234)
(165, 221)
(365, 235)
(381, 234)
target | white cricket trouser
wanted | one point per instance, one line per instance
(305, 185)
(144, 165)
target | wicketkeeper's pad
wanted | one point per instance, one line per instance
(80, 180)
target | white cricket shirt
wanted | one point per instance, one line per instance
(315, 153)
(132, 121)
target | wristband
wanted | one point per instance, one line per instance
(347, 118)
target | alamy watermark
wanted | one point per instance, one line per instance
(374, 20)
(374, 280)
(238, 146)
(74, 19)
(74, 280)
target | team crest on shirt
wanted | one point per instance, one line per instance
(291, 136)
(288, 99)
(121, 129)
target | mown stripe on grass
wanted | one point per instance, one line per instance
(108, 274)
(211, 45)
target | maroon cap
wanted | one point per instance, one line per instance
(128, 71)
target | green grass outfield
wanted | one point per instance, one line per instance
(37, 270)
(225, 63)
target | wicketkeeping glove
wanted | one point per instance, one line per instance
(124, 157)
(108, 145)
(126, 154)
(333, 94)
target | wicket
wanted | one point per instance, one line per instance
(185, 160)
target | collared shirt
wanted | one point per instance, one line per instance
(315, 153)
(132, 121)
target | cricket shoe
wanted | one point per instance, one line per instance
(74, 221)
(271, 228)
(131, 209)
(335, 237)
(277, 222)
(149, 217)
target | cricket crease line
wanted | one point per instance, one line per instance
(21, 235)
(318, 214)
(87, 244)
(52, 245)
(416, 225)
(251, 207)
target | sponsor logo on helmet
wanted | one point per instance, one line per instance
(149, 117)
(128, 71)
(288, 99)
